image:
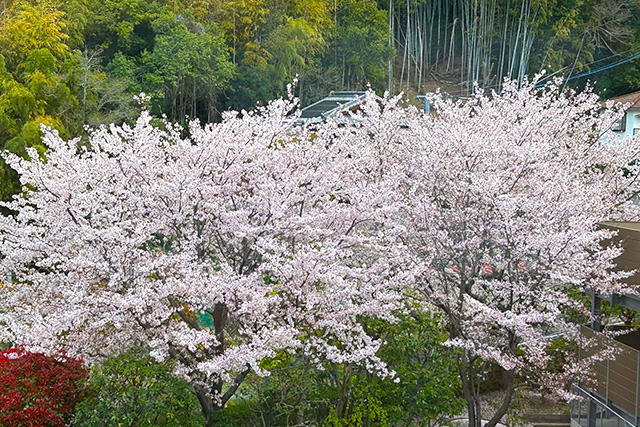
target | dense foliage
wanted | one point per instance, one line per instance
(426, 389)
(134, 390)
(39, 390)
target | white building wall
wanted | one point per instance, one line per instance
(632, 123)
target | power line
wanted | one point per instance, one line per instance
(577, 76)
(548, 76)
(606, 67)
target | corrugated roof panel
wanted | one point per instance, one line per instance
(315, 110)
(331, 105)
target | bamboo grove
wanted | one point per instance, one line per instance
(462, 42)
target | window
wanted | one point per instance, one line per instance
(620, 124)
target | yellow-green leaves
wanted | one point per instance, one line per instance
(33, 26)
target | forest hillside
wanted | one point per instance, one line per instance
(76, 63)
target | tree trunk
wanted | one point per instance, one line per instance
(500, 72)
(509, 386)
(212, 400)
(343, 386)
(391, 57)
(472, 395)
(467, 376)
(208, 405)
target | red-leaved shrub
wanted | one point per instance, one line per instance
(37, 390)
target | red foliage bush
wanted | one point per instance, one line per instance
(37, 390)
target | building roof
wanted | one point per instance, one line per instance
(632, 98)
(331, 106)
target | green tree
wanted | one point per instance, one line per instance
(429, 386)
(426, 388)
(38, 99)
(30, 27)
(294, 48)
(77, 14)
(101, 97)
(188, 67)
(124, 26)
(362, 43)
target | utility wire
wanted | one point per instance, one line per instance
(604, 67)
(548, 76)
(597, 70)
(577, 76)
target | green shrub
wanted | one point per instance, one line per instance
(237, 413)
(134, 390)
(426, 389)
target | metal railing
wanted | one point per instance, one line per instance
(593, 412)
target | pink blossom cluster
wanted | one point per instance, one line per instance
(504, 196)
(252, 236)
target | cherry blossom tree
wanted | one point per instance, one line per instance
(218, 250)
(502, 196)
(283, 238)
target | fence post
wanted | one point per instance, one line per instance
(591, 413)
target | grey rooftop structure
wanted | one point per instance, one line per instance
(331, 106)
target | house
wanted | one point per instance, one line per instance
(629, 124)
